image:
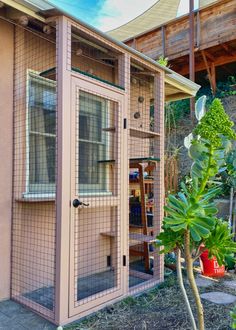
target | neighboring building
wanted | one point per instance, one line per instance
(82, 149)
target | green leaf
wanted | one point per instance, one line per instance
(205, 222)
(183, 198)
(188, 140)
(195, 235)
(196, 150)
(202, 231)
(211, 210)
(200, 107)
(172, 212)
(174, 221)
(196, 171)
(179, 227)
(185, 190)
(176, 202)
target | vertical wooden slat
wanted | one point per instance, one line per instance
(159, 189)
(63, 174)
(163, 40)
(191, 54)
(124, 74)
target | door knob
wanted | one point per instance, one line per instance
(77, 203)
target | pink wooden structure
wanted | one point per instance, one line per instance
(88, 115)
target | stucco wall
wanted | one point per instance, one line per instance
(6, 110)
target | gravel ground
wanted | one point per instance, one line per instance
(160, 308)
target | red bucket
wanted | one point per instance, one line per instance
(210, 267)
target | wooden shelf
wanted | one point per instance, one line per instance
(148, 181)
(106, 161)
(109, 129)
(143, 160)
(141, 133)
(109, 234)
(142, 238)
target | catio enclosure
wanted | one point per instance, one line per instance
(88, 180)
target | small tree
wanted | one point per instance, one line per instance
(190, 225)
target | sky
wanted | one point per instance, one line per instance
(109, 14)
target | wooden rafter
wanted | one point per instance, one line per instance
(228, 49)
(209, 56)
(183, 69)
(210, 71)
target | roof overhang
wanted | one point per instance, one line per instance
(177, 86)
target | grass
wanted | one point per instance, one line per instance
(159, 308)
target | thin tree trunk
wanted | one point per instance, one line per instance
(231, 200)
(234, 219)
(182, 288)
(189, 266)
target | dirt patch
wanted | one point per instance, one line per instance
(160, 308)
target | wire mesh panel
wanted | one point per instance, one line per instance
(34, 218)
(93, 58)
(143, 178)
(96, 217)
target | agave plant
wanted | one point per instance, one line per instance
(191, 224)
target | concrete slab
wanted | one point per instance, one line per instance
(220, 298)
(204, 282)
(14, 316)
(230, 284)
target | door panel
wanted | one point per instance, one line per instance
(96, 246)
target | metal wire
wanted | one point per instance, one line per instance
(34, 217)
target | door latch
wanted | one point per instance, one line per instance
(77, 203)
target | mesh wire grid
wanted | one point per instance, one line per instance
(34, 177)
(96, 173)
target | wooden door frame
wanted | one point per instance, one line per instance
(95, 88)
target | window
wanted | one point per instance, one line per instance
(93, 144)
(41, 124)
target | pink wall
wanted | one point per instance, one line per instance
(6, 110)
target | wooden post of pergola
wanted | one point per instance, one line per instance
(191, 54)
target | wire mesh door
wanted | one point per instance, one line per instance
(95, 262)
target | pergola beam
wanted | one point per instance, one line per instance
(200, 65)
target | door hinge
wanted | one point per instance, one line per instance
(124, 260)
(125, 123)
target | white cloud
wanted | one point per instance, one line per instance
(118, 12)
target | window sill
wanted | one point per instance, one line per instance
(36, 198)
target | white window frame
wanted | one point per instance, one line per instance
(35, 75)
(94, 188)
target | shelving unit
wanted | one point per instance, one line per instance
(141, 234)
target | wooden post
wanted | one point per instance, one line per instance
(159, 178)
(124, 80)
(63, 173)
(211, 72)
(213, 78)
(191, 54)
(163, 38)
